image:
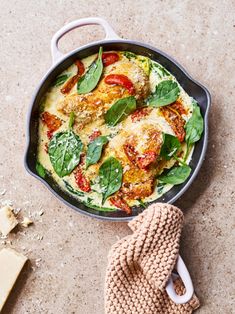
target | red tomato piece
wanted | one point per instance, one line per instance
(52, 121)
(120, 203)
(94, 135)
(80, 67)
(109, 58)
(82, 182)
(69, 84)
(49, 134)
(146, 159)
(130, 152)
(73, 80)
(120, 79)
(140, 113)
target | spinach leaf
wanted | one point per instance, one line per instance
(99, 208)
(194, 126)
(90, 79)
(61, 79)
(166, 93)
(159, 69)
(64, 152)
(110, 174)
(41, 171)
(129, 55)
(119, 110)
(72, 190)
(95, 149)
(141, 203)
(176, 175)
(160, 187)
(170, 146)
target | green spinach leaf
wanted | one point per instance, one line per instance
(119, 110)
(110, 174)
(166, 93)
(64, 152)
(160, 187)
(90, 79)
(129, 55)
(72, 190)
(141, 203)
(170, 146)
(41, 171)
(159, 69)
(61, 79)
(94, 150)
(99, 208)
(176, 175)
(194, 126)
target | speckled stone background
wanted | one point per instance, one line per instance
(68, 251)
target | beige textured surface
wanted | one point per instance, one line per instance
(70, 276)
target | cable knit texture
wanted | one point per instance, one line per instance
(140, 264)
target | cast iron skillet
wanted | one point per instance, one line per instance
(112, 42)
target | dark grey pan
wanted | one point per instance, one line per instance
(193, 88)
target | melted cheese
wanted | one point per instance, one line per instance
(116, 138)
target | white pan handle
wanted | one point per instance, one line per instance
(109, 32)
(185, 277)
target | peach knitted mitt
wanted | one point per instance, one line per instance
(141, 264)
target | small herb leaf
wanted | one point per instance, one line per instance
(170, 146)
(41, 171)
(95, 149)
(119, 110)
(194, 126)
(71, 119)
(110, 174)
(64, 152)
(176, 175)
(166, 93)
(90, 79)
(61, 79)
(72, 190)
(129, 55)
(159, 69)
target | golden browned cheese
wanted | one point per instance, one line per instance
(137, 182)
(92, 106)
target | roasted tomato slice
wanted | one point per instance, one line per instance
(52, 122)
(178, 106)
(109, 58)
(175, 120)
(69, 84)
(94, 135)
(82, 182)
(130, 152)
(120, 79)
(80, 67)
(49, 134)
(140, 113)
(120, 203)
(73, 80)
(146, 159)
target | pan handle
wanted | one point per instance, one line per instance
(185, 277)
(109, 32)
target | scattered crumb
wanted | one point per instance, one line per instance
(7, 203)
(37, 262)
(26, 222)
(3, 192)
